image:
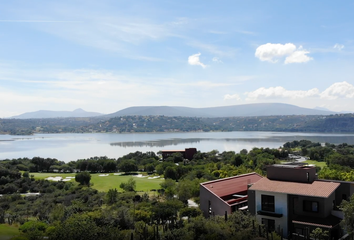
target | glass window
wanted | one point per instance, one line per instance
(268, 203)
(269, 224)
(310, 206)
(344, 196)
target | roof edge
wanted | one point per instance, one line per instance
(228, 178)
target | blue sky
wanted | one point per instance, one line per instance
(104, 55)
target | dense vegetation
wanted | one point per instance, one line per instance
(339, 158)
(341, 123)
(74, 210)
(66, 210)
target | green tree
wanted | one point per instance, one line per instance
(149, 168)
(128, 166)
(83, 178)
(348, 210)
(319, 234)
(169, 187)
(76, 227)
(185, 190)
(25, 174)
(33, 230)
(170, 172)
(128, 186)
(112, 196)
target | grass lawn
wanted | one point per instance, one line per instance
(109, 182)
(8, 232)
(45, 175)
(317, 163)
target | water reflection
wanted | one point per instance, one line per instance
(68, 147)
(279, 139)
(159, 143)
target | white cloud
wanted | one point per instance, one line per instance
(194, 60)
(336, 90)
(216, 59)
(298, 57)
(280, 92)
(338, 46)
(271, 52)
(234, 96)
(339, 89)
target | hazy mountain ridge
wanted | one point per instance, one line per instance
(245, 110)
(57, 114)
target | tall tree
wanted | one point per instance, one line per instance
(348, 210)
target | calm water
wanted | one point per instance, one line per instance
(67, 147)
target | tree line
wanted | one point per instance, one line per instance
(338, 123)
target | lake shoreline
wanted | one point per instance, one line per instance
(73, 146)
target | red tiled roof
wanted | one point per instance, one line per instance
(232, 185)
(315, 189)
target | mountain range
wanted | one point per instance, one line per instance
(57, 114)
(245, 110)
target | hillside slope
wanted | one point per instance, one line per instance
(246, 110)
(57, 114)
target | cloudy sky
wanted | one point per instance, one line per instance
(106, 55)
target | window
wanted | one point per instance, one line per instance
(269, 224)
(268, 203)
(310, 206)
(344, 196)
(209, 208)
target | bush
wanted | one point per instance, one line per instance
(83, 178)
(128, 186)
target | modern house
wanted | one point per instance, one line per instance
(187, 153)
(292, 201)
(224, 196)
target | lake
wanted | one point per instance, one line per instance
(73, 146)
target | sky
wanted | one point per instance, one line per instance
(104, 56)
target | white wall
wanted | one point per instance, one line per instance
(281, 206)
(218, 206)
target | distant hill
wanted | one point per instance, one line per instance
(246, 110)
(57, 114)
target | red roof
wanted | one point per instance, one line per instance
(232, 185)
(315, 189)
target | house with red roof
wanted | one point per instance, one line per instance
(187, 153)
(224, 196)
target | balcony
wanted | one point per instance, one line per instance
(277, 213)
(270, 214)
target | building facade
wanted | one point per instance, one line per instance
(291, 201)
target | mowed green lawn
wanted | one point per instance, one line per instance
(8, 232)
(111, 181)
(317, 163)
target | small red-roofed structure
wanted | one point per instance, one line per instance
(187, 153)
